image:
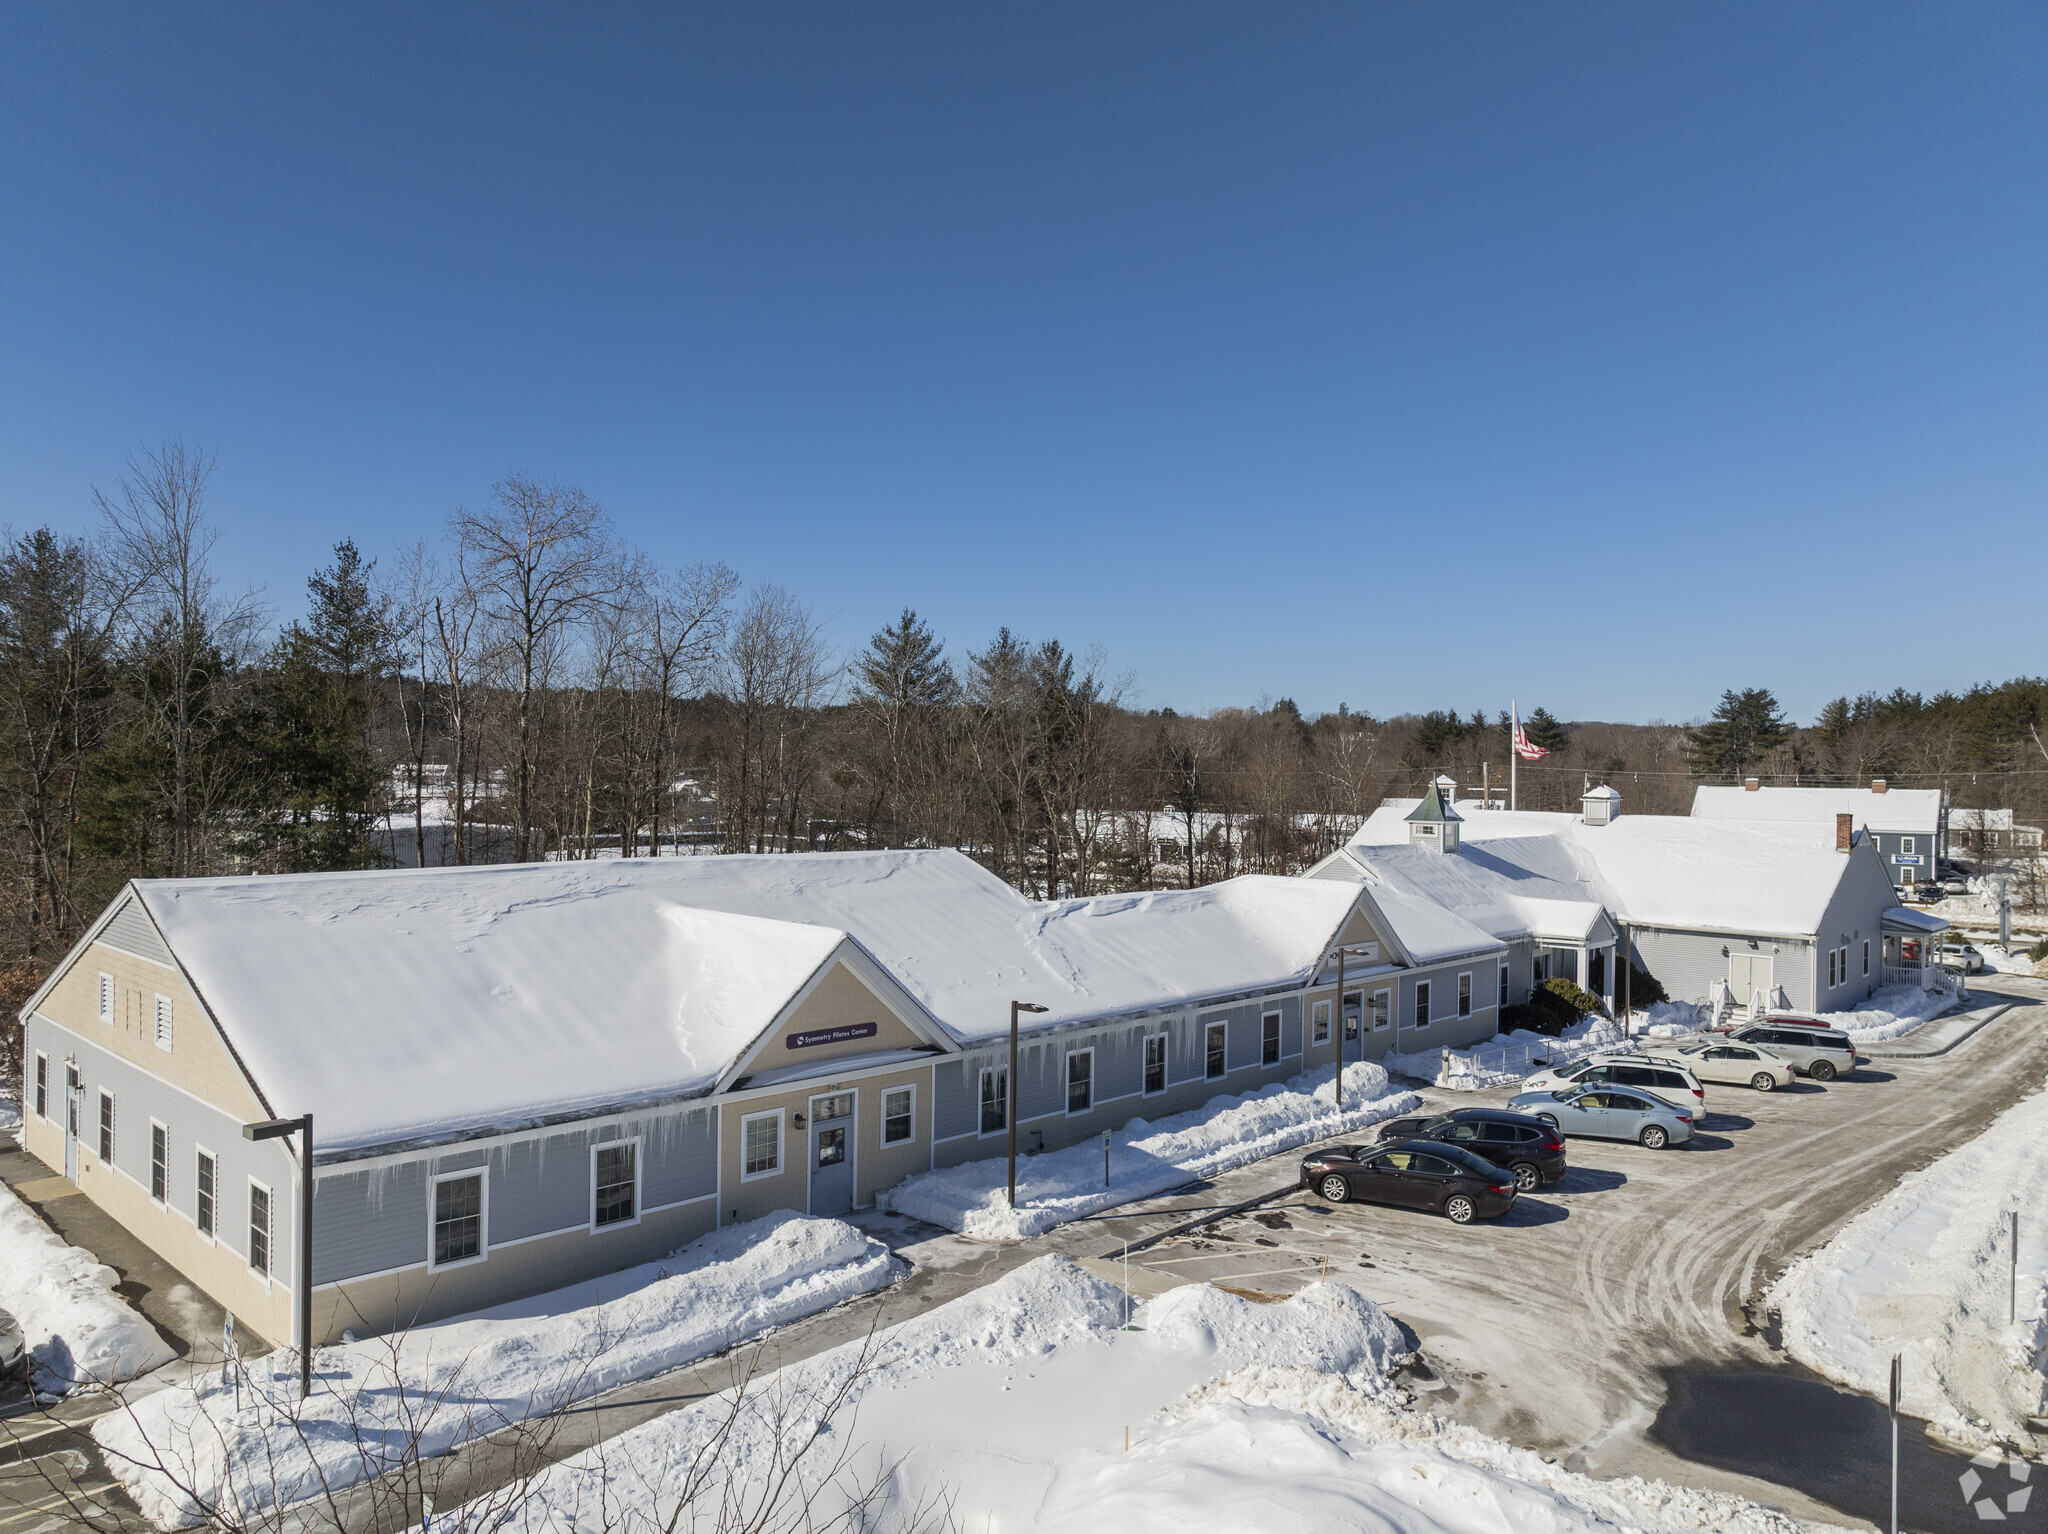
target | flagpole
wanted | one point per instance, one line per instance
(1514, 756)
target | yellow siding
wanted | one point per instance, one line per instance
(197, 1061)
(877, 1171)
(842, 999)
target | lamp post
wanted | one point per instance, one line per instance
(277, 1129)
(1010, 1107)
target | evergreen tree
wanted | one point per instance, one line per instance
(1745, 729)
(905, 667)
(1545, 731)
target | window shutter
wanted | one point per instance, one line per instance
(163, 1022)
(106, 998)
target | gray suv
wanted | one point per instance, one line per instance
(1822, 1053)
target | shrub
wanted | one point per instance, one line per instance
(1521, 1015)
(1562, 1003)
(1644, 988)
(2039, 951)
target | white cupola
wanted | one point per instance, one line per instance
(1600, 806)
(1433, 823)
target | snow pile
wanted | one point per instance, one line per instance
(1924, 1272)
(1025, 1406)
(10, 1118)
(1147, 1159)
(2000, 962)
(1892, 1013)
(421, 1393)
(78, 1331)
(1510, 1057)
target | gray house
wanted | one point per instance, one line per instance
(1908, 826)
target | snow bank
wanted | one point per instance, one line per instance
(79, 1332)
(1510, 1057)
(426, 1391)
(1892, 1013)
(1147, 1159)
(1924, 1272)
(10, 1118)
(1026, 1406)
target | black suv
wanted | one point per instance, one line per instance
(1526, 1146)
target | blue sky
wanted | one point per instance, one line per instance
(1411, 356)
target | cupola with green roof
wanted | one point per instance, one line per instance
(1433, 823)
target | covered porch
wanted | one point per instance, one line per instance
(1912, 947)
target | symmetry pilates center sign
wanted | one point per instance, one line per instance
(839, 1035)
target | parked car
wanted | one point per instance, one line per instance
(1924, 891)
(1822, 1053)
(1963, 956)
(1720, 1059)
(1674, 1083)
(1609, 1113)
(13, 1350)
(1416, 1174)
(1533, 1152)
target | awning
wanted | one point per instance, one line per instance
(1904, 921)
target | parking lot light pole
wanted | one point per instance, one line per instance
(1010, 1106)
(277, 1129)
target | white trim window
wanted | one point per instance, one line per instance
(1269, 1039)
(42, 1085)
(761, 1145)
(1906, 845)
(259, 1228)
(1866, 956)
(1382, 1010)
(1319, 1015)
(456, 1234)
(159, 1162)
(163, 1022)
(1832, 981)
(1503, 986)
(899, 1115)
(615, 1183)
(1215, 1051)
(995, 1099)
(1080, 1080)
(106, 1139)
(1421, 1004)
(1155, 1064)
(1465, 994)
(203, 1174)
(106, 997)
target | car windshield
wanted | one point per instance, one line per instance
(1566, 1094)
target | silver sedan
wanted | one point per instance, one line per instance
(1609, 1113)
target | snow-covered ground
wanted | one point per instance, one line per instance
(10, 1118)
(1509, 1057)
(428, 1390)
(1926, 1272)
(79, 1332)
(2000, 962)
(1027, 1405)
(1892, 1013)
(1147, 1159)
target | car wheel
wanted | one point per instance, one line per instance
(1335, 1189)
(1654, 1137)
(1548, 1118)
(1527, 1178)
(1458, 1209)
(1763, 1081)
(1821, 1070)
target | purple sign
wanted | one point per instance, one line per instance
(832, 1035)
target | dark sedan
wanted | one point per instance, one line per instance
(1525, 1145)
(1418, 1174)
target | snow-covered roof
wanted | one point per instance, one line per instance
(1657, 870)
(1903, 918)
(1980, 820)
(1499, 888)
(396, 1002)
(1908, 810)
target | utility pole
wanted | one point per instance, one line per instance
(1010, 1107)
(1897, 1360)
(1338, 1090)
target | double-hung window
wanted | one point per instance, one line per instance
(1503, 985)
(202, 1187)
(995, 1099)
(1080, 1080)
(1382, 1010)
(1213, 1040)
(1832, 982)
(1422, 1004)
(1464, 995)
(42, 1086)
(1155, 1063)
(107, 1127)
(1321, 1018)
(1906, 845)
(1269, 1039)
(1866, 956)
(159, 1162)
(259, 1228)
(614, 1183)
(898, 1117)
(459, 1217)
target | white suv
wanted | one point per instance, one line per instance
(1674, 1083)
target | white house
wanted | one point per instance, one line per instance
(1909, 824)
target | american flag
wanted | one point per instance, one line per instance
(1527, 751)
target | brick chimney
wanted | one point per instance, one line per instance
(1845, 832)
(1877, 785)
(1751, 785)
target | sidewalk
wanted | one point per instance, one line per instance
(1940, 1035)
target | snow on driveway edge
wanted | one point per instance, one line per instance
(79, 1332)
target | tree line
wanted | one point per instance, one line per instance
(529, 685)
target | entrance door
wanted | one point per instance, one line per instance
(72, 1096)
(832, 1154)
(1751, 977)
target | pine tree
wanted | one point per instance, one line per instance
(1545, 731)
(1746, 727)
